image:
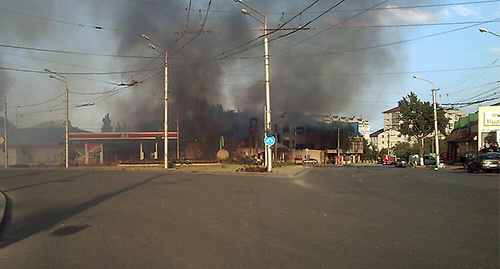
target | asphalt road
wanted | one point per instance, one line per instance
(352, 217)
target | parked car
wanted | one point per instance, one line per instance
(401, 162)
(429, 160)
(310, 161)
(485, 162)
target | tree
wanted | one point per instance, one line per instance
(369, 153)
(121, 128)
(417, 119)
(405, 149)
(106, 124)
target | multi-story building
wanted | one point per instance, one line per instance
(387, 139)
(361, 126)
(391, 118)
(390, 135)
(452, 115)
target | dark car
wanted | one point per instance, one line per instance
(485, 162)
(401, 162)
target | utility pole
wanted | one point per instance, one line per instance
(267, 128)
(435, 119)
(6, 154)
(178, 143)
(338, 144)
(266, 154)
(435, 126)
(58, 76)
(268, 97)
(165, 122)
(66, 125)
(165, 125)
(389, 142)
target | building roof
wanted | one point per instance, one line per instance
(392, 110)
(376, 133)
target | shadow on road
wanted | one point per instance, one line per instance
(45, 219)
(66, 179)
(30, 174)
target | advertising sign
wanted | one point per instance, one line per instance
(492, 118)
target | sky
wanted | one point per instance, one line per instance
(357, 59)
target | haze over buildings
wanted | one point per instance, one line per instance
(354, 61)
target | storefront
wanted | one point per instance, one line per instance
(488, 127)
(462, 142)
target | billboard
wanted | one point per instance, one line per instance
(492, 118)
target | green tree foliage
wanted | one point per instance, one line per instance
(417, 118)
(405, 149)
(369, 153)
(106, 124)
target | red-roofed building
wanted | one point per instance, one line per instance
(391, 118)
(374, 137)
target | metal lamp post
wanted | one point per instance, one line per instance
(58, 76)
(482, 30)
(165, 124)
(267, 115)
(435, 119)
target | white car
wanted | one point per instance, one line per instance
(310, 161)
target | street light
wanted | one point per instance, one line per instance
(435, 119)
(267, 129)
(165, 124)
(482, 30)
(58, 76)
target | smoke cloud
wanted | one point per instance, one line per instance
(314, 77)
(311, 78)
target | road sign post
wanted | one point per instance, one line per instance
(269, 141)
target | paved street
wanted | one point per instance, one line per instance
(326, 217)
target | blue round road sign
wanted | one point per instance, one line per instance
(269, 140)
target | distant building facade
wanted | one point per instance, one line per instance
(300, 136)
(362, 126)
(453, 115)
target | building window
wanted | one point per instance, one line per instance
(286, 129)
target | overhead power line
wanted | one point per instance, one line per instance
(41, 103)
(344, 10)
(382, 73)
(76, 52)
(237, 50)
(465, 104)
(479, 95)
(76, 73)
(199, 32)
